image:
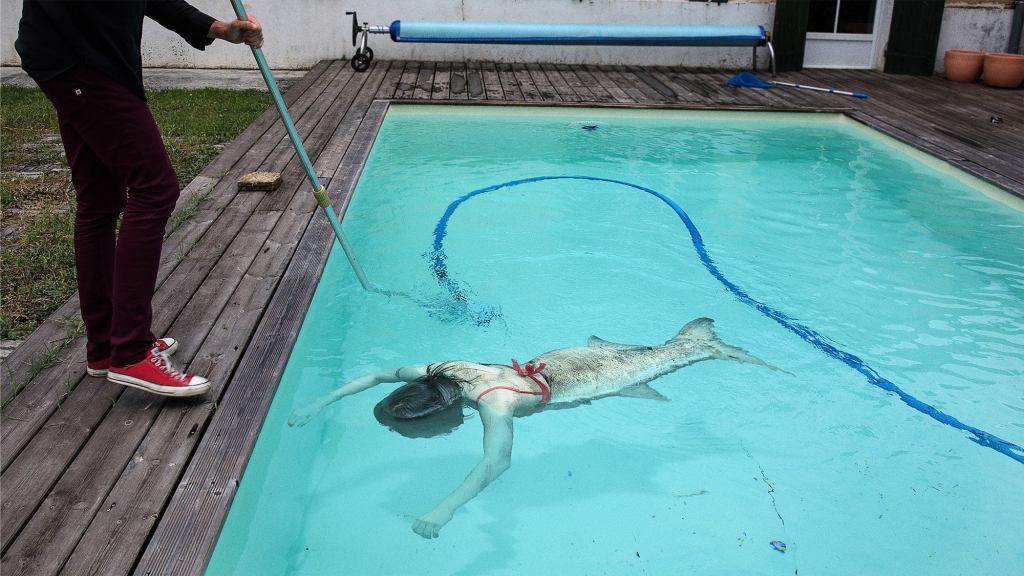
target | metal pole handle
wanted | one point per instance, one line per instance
(318, 189)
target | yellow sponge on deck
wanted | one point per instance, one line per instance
(260, 181)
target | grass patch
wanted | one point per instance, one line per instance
(51, 357)
(196, 123)
(29, 140)
(185, 249)
(37, 264)
(37, 200)
(189, 210)
(74, 328)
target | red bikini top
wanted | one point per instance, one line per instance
(529, 371)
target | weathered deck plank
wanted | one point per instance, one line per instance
(582, 90)
(16, 369)
(934, 105)
(117, 533)
(442, 81)
(976, 142)
(544, 87)
(424, 82)
(682, 87)
(528, 88)
(626, 76)
(28, 411)
(213, 477)
(561, 87)
(475, 81)
(492, 84)
(390, 83)
(125, 519)
(191, 325)
(667, 94)
(614, 91)
(707, 89)
(597, 88)
(458, 86)
(407, 85)
(509, 84)
(633, 93)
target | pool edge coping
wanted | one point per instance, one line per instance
(199, 505)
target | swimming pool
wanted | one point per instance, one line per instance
(863, 246)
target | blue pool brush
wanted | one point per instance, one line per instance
(749, 80)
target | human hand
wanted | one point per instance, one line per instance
(238, 31)
(429, 525)
(302, 416)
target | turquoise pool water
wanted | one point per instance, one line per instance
(894, 258)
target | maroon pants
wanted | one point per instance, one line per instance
(118, 165)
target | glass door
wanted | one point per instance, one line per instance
(841, 34)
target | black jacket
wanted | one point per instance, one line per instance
(56, 35)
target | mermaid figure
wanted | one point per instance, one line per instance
(434, 395)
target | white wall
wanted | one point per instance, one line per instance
(983, 29)
(301, 32)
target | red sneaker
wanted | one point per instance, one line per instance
(99, 368)
(156, 374)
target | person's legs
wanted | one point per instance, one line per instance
(119, 162)
(152, 190)
(118, 130)
(99, 199)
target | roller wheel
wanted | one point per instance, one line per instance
(369, 53)
(361, 61)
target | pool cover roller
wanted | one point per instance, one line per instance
(318, 189)
(575, 34)
(555, 34)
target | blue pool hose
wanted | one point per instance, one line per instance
(319, 192)
(438, 262)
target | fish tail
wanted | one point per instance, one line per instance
(702, 330)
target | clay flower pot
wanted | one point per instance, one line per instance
(1004, 70)
(963, 65)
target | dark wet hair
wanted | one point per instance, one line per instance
(431, 406)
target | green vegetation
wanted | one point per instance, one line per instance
(190, 209)
(51, 357)
(37, 200)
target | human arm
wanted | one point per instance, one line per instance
(200, 29)
(300, 416)
(497, 422)
(184, 19)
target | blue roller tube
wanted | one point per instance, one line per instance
(319, 192)
(575, 34)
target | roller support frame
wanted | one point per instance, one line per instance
(364, 54)
(361, 37)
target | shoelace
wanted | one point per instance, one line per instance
(163, 362)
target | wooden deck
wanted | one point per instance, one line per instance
(99, 479)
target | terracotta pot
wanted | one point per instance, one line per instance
(1004, 70)
(963, 65)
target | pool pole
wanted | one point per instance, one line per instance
(319, 192)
